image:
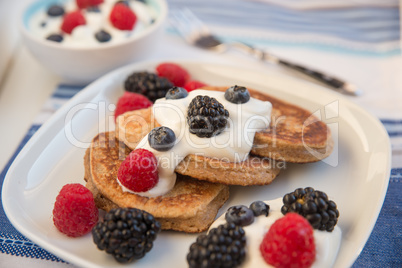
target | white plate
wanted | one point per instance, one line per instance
(355, 176)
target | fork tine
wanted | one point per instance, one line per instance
(188, 25)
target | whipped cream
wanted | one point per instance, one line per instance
(327, 243)
(232, 145)
(43, 25)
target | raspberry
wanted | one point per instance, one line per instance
(174, 73)
(88, 3)
(194, 84)
(138, 172)
(289, 243)
(122, 17)
(72, 20)
(75, 212)
(130, 102)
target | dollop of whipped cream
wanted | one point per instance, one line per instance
(232, 145)
(327, 243)
(43, 25)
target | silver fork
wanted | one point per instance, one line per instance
(196, 33)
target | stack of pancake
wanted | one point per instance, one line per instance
(202, 185)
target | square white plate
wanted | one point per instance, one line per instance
(355, 176)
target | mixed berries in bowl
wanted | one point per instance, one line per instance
(81, 40)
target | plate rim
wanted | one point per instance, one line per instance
(89, 92)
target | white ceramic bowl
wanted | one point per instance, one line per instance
(81, 65)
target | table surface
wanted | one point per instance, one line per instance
(25, 85)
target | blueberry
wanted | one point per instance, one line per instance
(55, 37)
(237, 94)
(239, 215)
(176, 93)
(55, 11)
(103, 36)
(161, 138)
(259, 208)
(94, 9)
(124, 2)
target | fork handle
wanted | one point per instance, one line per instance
(330, 81)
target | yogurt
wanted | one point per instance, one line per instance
(43, 25)
(327, 243)
(232, 145)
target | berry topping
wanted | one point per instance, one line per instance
(103, 36)
(176, 93)
(148, 84)
(289, 243)
(161, 139)
(206, 116)
(240, 215)
(55, 11)
(122, 17)
(315, 206)
(259, 208)
(237, 94)
(130, 102)
(55, 37)
(139, 171)
(224, 246)
(75, 212)
(126, 233)
(194, 84)
(174, 73)
(125, 2)
(72, 20)
(88, 3)
(93, 9)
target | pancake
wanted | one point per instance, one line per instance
(132, 126)
(295, 135)
(191, 206)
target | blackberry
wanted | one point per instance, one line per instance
(126, 233)
(314, 205)
(259, 208)
(102, 36)
(237, 94)
(206, 116)
(224, 246)
(148, 84)
(161, 139)
(240, 215)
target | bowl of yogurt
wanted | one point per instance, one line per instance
(81, 40)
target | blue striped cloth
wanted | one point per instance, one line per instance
(381, 249)
(368, 30)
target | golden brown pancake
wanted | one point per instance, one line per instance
(132, 126)
(295, 135)
(191, 206)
